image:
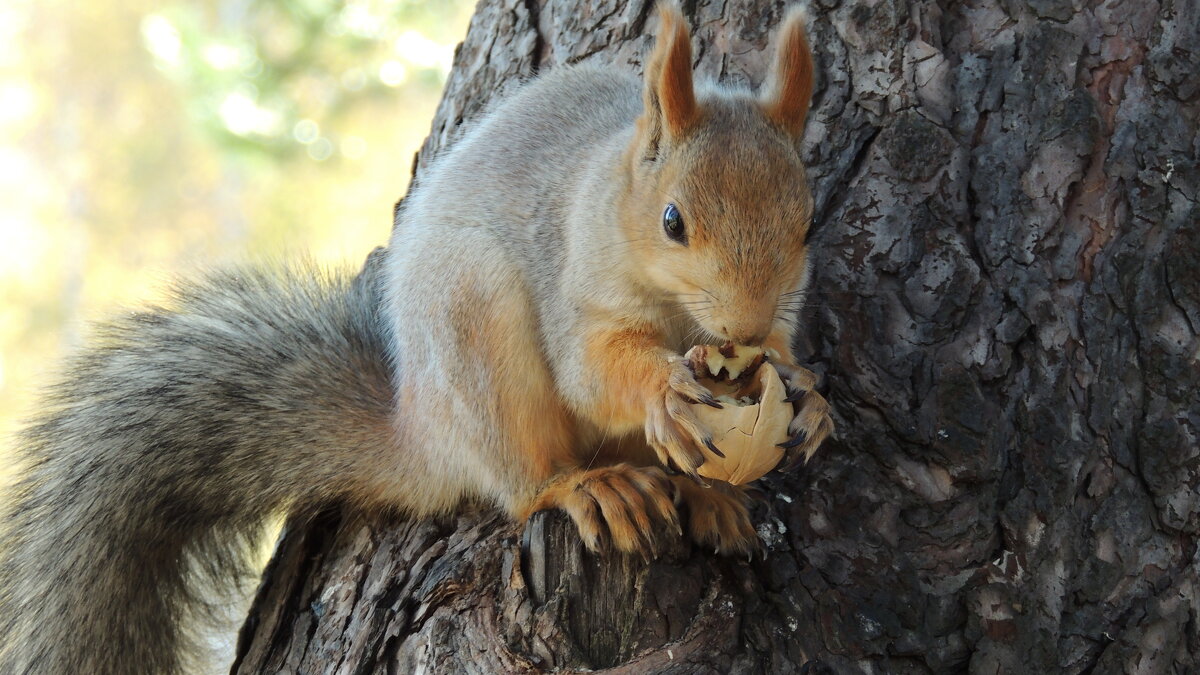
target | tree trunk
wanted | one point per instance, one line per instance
(1006, 305)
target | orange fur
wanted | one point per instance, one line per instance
(613, 503)
(492, 331)
(717, 515)
(631, 365)
(789, 94)
(671, 107)
(645, 384)
(742, 214)
(675, 81)
(734, 183)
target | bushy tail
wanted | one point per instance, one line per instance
(166, 446)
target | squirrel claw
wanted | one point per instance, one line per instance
(617, 507)
(811, 424)
(793, 441)
(672, 427)
(718, 517)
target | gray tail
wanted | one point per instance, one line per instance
(165, 447)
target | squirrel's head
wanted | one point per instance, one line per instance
(717, 207)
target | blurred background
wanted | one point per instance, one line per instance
(142, 140)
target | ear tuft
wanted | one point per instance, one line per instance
(787, 94)
(670, 101)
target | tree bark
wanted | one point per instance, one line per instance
(1005, 308)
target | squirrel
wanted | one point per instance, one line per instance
(518, 343)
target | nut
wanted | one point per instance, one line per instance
(754, 418)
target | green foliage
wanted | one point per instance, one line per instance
(277, 76)
(140, 140)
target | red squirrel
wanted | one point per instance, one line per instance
(519, 344)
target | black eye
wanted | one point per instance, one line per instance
(673, 224)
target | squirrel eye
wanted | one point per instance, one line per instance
(673, 224)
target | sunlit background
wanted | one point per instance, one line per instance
(140, 140)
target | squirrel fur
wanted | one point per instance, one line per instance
(518, 342)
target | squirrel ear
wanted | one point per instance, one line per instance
(787, 94)
(670, 102)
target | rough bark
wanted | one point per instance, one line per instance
(1006, 308)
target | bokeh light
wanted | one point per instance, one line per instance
(143, 140)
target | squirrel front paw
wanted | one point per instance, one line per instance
(672, 428)
(625, 505)
(811, 424)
